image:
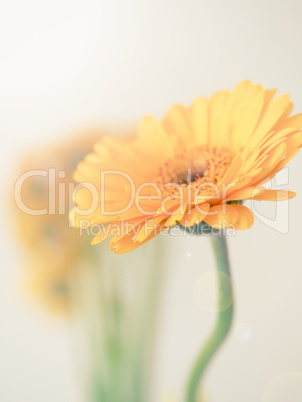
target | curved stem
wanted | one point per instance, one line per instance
(224, 319)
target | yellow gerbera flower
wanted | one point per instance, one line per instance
(196, 166)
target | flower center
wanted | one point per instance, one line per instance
(196, 167)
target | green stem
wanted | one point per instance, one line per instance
(224, 319)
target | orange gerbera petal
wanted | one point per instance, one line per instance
(245, 193)
(148, 227)
(195, 215)
(222, 216)
(274, 195)
(127, 243)
(245, 217)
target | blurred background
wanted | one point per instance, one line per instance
(68, 65)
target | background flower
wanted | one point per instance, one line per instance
(112, 304)
(51, 247)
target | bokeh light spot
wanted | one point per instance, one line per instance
(243, 331)
(209, 294)
(285, 387)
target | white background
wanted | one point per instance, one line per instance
(68, 64)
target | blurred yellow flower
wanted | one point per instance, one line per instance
(52, 247)
(113, 302)
(197, 165)
(50, 284)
